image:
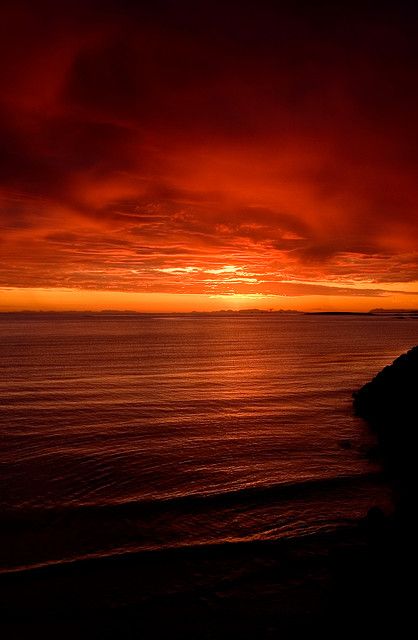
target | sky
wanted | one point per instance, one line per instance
(178, 156)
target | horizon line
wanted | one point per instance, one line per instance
(375, 311)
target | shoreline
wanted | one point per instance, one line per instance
(258, 587)
(285, 579)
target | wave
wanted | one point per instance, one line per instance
(225, 547)
(258, 494)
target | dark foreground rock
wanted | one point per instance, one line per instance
(389, 403)
(391, 396)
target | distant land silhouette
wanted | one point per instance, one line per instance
(218, 312)
(381, 310)
(130, 312)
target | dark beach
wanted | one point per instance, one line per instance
(350, 580)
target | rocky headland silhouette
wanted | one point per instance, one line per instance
(389, 404)
(391, 394)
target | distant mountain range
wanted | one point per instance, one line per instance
(395, 311)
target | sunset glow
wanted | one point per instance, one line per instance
(210, 158)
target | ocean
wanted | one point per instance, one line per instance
(124, 434)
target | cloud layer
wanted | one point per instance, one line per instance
(211, 148)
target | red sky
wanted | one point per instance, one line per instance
(201, 155)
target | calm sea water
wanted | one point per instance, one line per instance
(129, 433)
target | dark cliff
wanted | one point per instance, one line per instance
(389, 403)
(391, 395)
